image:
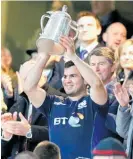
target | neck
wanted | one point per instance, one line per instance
(85, 44)
(77, 97)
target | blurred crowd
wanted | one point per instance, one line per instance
(78, 105)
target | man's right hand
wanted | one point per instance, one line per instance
(121, 94)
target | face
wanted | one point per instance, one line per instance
(115, 36)
(73, 82)
(100, 7)
(102, 67)
(126, 58)
(87, 28)
(6, 58)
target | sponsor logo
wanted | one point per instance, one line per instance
(59, 103)
(82, 104)
(62, 121)
(73, 121)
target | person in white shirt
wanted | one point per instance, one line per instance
(89, 29)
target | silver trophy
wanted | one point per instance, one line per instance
(59, 23)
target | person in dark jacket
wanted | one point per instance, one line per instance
(124, 95)
(115, 35)
(102, 61)
(22, 128)
(33, 124)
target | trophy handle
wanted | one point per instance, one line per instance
(42, 20)
(72, 24)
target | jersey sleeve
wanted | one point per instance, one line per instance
(102, 109)
(46, 107)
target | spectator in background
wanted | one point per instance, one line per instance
(47, 150)
(6, 63)
(115, 35)
(109, 148)
(23, 127)
(3, 105)
(124, 60)
(124, 95)
(107, 14)
(102, 61)
(124, 118)
(26, 155)
(89, 28)
(8, 78)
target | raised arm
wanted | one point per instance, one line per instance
(123, 115)
(97, 91)
(30, 74)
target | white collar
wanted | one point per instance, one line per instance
(90, 47)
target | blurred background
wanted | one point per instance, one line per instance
(20, 22)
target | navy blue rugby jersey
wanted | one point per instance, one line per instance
(71, 124)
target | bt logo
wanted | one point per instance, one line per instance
(58, 121)
(73, 121)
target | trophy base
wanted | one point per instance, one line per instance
(49, 46)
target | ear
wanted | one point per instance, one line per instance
(104, 37)
(99, 29)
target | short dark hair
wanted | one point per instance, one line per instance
(26, 154)
(103, 51)
(69, 64)
(47, 150)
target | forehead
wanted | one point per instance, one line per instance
(96, 59)
(117, 28)
(71, 70)
(86, 20)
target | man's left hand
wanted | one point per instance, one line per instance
(68, 44)
(19, 128)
